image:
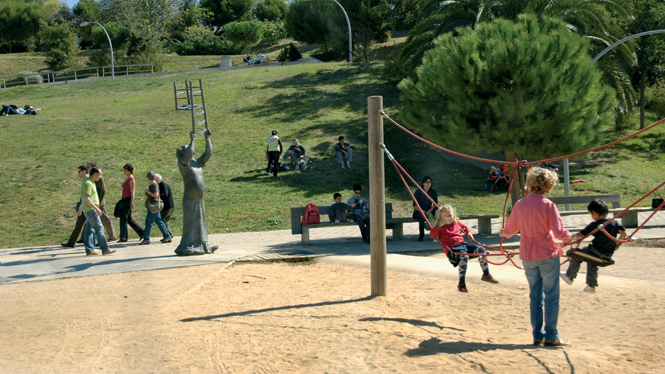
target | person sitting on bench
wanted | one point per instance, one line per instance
(601, 249)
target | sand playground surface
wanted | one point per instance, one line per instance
(318, 317)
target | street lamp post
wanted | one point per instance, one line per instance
(110, 45)
(348, 23)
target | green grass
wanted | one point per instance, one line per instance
(133, 121)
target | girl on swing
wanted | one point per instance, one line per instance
(449, 230)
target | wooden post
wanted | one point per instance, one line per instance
(377, 189)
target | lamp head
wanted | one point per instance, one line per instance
(84, 24)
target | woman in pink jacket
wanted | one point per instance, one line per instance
(538, 220)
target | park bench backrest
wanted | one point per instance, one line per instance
(615, 200)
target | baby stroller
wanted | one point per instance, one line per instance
(497, 179)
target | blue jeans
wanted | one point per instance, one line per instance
(543, 278)
(154, 218)
(340, 156)
(94, 230)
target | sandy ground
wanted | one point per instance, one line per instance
(318, 318)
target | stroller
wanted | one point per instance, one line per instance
(497, 179)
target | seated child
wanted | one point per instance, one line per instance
(449, 230)
(601, 246)
(338, 210)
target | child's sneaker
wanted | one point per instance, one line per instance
(342, 165)
(590, 289)
(348, 164)
(565, 278)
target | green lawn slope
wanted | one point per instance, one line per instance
(132, 120)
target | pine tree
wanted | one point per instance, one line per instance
(526, 88)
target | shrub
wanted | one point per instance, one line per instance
(33, 77)
(655, 99)
(289, 53)
(273, 31)
(199, 40)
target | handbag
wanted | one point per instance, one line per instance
(655, 203)
(156, 205)
(117, 211)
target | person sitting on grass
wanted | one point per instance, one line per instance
(601, 246)
(449, 231)
(344, 152)
(297, 154)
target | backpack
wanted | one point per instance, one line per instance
(311, 215)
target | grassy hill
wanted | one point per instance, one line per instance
(133, 121)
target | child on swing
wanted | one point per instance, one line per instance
(449, 230)
(601, 246)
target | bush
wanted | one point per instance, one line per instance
(202, 41)
(273, 31)
(33, 77)
(289, 53)
(655, 99)
(331, 55)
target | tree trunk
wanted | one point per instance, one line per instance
(11, 44)
(643, 72)
(515, 194)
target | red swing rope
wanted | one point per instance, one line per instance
(519, 163)
(400, 171)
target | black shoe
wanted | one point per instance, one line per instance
(80, 241)
(556, 343)
(67, 245)
(420, 238)
(538, 342)
(123, 241)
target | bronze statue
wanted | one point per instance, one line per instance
(194, 228)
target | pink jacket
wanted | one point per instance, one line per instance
(539, 222)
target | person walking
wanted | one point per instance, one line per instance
(151, 196)
(94, 230)
(273, 152)
(101, 192)
(128, 188)
(167, 197)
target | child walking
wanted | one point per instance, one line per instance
(449, 230)
(601, 246)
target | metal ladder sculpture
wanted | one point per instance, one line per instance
(196, 103)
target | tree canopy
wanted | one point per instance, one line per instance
(226, 11)
(19, 20)
(244, 32)
(271, 10)
(525, 88)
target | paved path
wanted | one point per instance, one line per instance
(341, 244)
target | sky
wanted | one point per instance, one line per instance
(71, 3)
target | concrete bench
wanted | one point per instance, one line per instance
(394, 224)
(628, 219)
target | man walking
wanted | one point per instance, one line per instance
(167, 197)
(89, 207)
(101, 193)
(80, 220)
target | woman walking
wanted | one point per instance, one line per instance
(128, 187)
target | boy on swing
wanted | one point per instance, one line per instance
(601, 246)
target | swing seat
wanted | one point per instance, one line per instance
(589, 258)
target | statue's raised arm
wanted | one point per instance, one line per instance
(208, 152)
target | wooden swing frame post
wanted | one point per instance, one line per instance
(378, 196)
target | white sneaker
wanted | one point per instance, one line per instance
(565, 278)
(348, 164)
(342, 165)
(590, 289)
